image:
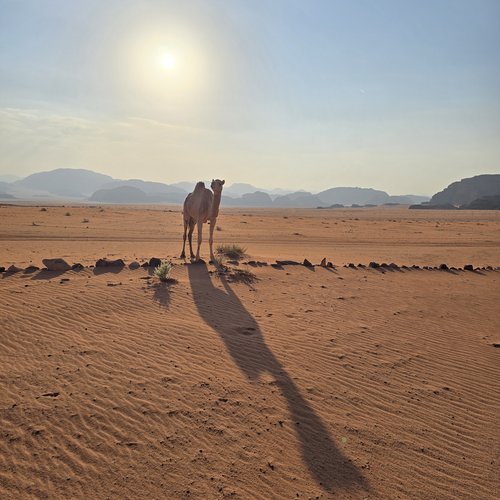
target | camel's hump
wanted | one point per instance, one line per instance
(199, 185)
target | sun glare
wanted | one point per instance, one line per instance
(168, 61)
(167, 69)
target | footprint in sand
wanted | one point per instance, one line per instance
(246, 330)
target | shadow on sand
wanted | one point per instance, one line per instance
(223, 311)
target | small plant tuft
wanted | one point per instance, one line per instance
(234, 252)
(43, 209)
(163, 270)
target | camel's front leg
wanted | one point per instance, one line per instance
(190, 236)
(211, 239)
(200, 230)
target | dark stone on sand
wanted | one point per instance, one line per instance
(384, 264)
(56, 264)
(252, 263)
(154, 262)
(362, 266)
(351, 265)
(2, 269)
(307, 263)
(234, 262)
(144, 264)
(444, 267)
(415, 266)
(277, 266)
(31, 269)
(77, 266)
(110, 263)
(392, 265)
(51, 394)
(134, 265)
(330, 265)
(287, 263)
(13, 269)
(323, 262)
(374, 265)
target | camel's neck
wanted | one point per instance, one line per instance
(215, 204)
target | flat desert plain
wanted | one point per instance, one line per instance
(295, 382)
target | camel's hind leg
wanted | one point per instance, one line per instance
(190, 237)
(183, 253)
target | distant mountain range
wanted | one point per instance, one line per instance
(87, 185)
(481, 192)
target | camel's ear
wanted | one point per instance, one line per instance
(223, 182)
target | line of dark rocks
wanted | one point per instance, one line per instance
(60, 265)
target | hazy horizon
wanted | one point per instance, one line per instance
(397, 96)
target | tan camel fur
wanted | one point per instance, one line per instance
(201, 206)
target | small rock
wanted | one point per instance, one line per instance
(134, 265)
(362, 266)
(469, 267)
(393, 266)
(351, 265)
(31, 269)
(13, 269)
(154, 262)
(110, 263)
(373, 265)
(330, 265)
(443, 267)
(323, 262)
(51, 394)
(77, 267)
(56, 264)
(288, 263)
(2, 269)
(307, 263)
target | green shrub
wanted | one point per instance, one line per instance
(163, 270)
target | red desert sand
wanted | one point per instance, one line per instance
(293, 382)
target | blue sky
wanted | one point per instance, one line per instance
(398, 95)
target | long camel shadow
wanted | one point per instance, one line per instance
(223, 311)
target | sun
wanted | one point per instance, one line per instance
(168, 61)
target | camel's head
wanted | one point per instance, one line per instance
(217, 186)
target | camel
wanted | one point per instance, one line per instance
(201, 206)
